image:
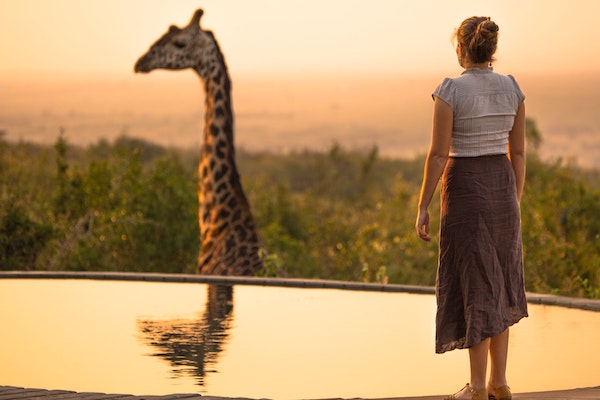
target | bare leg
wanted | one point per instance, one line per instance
(478, 355)
(498, 355)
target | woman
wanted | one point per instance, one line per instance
(478, 149)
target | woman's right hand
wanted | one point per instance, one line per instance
(422, 225)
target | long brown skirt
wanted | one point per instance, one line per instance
(479, 286)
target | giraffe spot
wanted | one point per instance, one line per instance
(218, 96)
(214, 130)
(219, 112)
(220, 146)
(223, 214)
(230, 243)
(207, 259)
(241, 232)
(228, 127)
(204, 172)
(223, 199)
(212, 164)
(220, 188)
(222, 172)
(220, 229)
(232, 203)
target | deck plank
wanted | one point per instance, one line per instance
(18, 393)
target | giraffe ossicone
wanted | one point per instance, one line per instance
(229, 240)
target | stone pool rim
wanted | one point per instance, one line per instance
(534, 298)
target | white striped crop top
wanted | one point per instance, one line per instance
(484, 105)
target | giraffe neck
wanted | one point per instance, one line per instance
(218, 113)
(218, 170)
(227, 228)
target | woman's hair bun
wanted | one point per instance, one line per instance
(487, 28)
(479, 36)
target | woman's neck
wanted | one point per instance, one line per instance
(468, 65)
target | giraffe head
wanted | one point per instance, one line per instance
(190, 47)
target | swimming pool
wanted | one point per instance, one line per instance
(263, 342)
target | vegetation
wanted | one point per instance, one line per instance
(131, 205)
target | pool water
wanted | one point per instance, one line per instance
(263, 342)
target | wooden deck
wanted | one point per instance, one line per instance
(16, 393)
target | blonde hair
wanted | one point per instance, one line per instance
(479, 37)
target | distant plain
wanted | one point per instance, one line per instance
(285, 113)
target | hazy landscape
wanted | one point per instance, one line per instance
(285, 113)
(340, 210)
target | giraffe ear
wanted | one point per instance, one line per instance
(196, 18)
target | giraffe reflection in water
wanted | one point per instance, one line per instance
(192, 346)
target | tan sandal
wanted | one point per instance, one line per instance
(499, 393)
(480, 394)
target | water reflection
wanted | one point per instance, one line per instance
(96, 336)
(192, 346)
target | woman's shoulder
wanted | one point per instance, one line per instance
(445, 88)
(506, 77)
(510, 82)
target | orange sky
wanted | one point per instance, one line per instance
(305, 73)
(38, 37)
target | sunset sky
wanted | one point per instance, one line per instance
(305, 73)
(39, 37)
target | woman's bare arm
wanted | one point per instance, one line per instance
(516, 149)
(435, 162)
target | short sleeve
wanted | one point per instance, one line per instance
(446, 91)
(520, 94)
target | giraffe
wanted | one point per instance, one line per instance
(193, 346)
(229, 240)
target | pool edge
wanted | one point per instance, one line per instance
(534, 298)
